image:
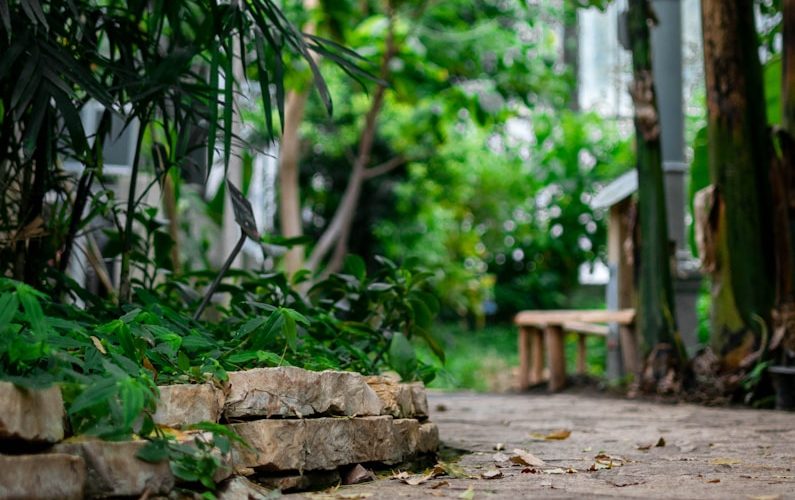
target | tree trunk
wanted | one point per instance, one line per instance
(784, 192)
(571, 53)
(290, 221)
(739, 162)
(289, 169)
(662, 345)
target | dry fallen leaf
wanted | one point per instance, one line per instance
(714, 481)
(98, 344)
(522, 457)
(469, 494)
(492, 474)
(604, 461)
(558, 435)
(724, 461)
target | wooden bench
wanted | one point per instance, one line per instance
(541, 331)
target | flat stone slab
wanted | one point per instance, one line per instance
(183, 405)
(293, 392)
(114, 470)
(31, 414)
(412, 437)
(240, 488)
(42, 476)
(397, 398)
(327, 443)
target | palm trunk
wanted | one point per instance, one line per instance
(662, 345)
(739, 161)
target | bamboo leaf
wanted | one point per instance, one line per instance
(71, 118)
(8, 309)
(34, 11)
(229, 81)
(5, 15)
(264, 85)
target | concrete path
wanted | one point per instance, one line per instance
(715, 453)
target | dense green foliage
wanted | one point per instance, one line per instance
(498, 173)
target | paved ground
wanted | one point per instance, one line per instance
(713, 453)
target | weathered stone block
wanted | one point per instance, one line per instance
(114, 470)
(397, 398)
(240, 488)
(406, 433)
(31, 414)
(316, 444)
(331, 442)
(412, 437)
(274, 444)
(293, 392)
(419, 399)
(428, 439)
(182, 405)
(43, 476)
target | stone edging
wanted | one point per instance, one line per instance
(294, 421)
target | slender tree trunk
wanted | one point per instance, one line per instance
(784, 191)
(289, 169)
(662, 345)
(289, 166)
(571, 53)
(739, 161)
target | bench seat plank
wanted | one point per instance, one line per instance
(559, 317)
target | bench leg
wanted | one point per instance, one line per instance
(629, 351)
(537, 353)
(581, 357)
(556, 357)
(523, 378)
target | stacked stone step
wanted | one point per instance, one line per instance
(295, 422)
(30, 420)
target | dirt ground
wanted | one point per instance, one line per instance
(715, 453)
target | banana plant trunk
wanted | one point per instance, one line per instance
(741, 218)
(662, 346)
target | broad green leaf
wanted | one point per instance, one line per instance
(154, 451)
(290, 331)
(33, 312)
(8, 309)
(422, 315)
(132, 400)
(95, 394)
(354, 265)
(402, 357)
(183, 362)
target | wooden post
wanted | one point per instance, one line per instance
(537, 350)
(556, 358)
(629, 351)
(523, 378)
(581, 357)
